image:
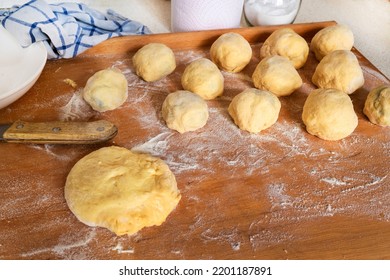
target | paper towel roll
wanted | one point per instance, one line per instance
(191, 15)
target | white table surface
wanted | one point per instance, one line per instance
(368, 19)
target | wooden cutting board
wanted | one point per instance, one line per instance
(280, 194)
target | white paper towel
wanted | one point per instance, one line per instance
(191, 15)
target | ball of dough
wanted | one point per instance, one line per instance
(332, 38)
(286, 42)
(329, 114)
(254, 110)
(340, 70)
(278, 75)
(185, 111)
(377, 106)
(154, 61)
(203, 78)
(120, 190)
(106, 90)
(231, 52)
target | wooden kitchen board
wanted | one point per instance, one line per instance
(280, 194)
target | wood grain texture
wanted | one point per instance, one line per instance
(281, 194)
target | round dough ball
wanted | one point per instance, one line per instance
(286, 42)
(254, 110)
(332, 38)
(185, 111)
(278, 75)
(329, 114)
(106, 90)
(231, 52)
(377, 106)
(203, 78)
(154, 61)
(120, 190)
(340, 70)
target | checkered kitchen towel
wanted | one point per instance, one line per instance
(67, 29)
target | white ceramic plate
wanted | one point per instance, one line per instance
(20, 67)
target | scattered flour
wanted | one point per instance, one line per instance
(54, 151)
(76, 108)
(333, 181)
(299, 177)
(230, 237)
(221, 145)
(278, 196)
(61, 249)
(120, 250)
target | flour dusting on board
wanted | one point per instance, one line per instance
(220, 144)
(119, 248)
(76, 108)
(64, 248)
(290, 177)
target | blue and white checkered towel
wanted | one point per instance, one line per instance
(67, 29)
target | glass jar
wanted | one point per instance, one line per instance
(271, 12)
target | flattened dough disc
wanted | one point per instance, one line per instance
(121, 190)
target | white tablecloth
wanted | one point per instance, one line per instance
(368, 19)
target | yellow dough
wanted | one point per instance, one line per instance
(231, 52)
(106, 90)
(203, 78)
(154, 61)
(184, 111)
(329, 114)
(377, 106)
(277, 75)
(286, 42)
(120, 190)
(340, 70)
(254, 110)
(331, 38)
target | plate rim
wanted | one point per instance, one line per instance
(41, 52)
